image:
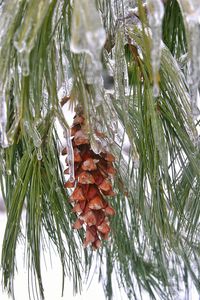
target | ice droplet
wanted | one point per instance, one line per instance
(96, 145)
(9, 172)
(155, 17)
(39, 153)
(3, 119)
(70, 155)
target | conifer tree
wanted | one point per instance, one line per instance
(129, 72)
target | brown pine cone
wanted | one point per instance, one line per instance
(92, 183)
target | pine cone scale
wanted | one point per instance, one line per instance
(92, 183)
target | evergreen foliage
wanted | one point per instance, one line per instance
(154, 243)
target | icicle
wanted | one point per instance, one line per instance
(12, 130)
(88, 35)
(194, 63)
(112, 116)
(36, 137)
(64, 74)
(2, 160)
(8, 11)
(34, 134)
(126, 79)
(89, 70)
(25, 36)
(155, 16)
(34, 16)
(70, 155)
(3, 120)
(24, 61)
(191, 11)
(121, 7)
(194, 73)
(99, 92)
(121, 71)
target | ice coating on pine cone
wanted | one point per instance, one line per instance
(191, 11)
(155, 16)
(91, 185)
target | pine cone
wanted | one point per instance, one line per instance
(92, 183)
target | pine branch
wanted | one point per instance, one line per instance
(154, 244)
